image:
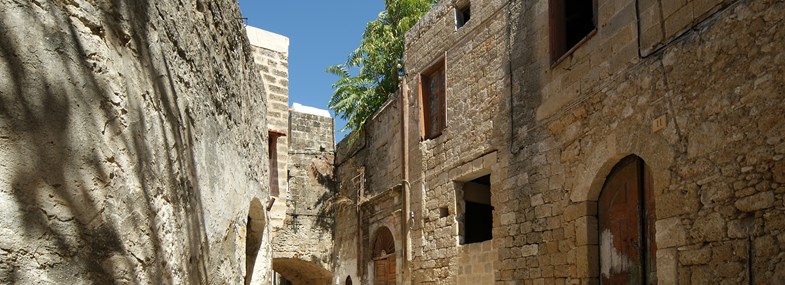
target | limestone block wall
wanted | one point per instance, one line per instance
(302, 247)
(716, 165)
(271, 55)
(132, 142)
(550, 134)
(477, 89)
(476, 264)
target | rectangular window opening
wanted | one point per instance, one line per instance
(432, 89)
(571, 22)
(478, 212)
(462, 15)
(444, 212)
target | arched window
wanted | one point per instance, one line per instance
(626, 225)
(348, 280)
(383, 257)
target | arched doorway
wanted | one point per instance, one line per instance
(383, 257)
(255, 227)
(626, 225)
(348, 280)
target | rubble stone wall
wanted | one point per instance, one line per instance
(132, 142)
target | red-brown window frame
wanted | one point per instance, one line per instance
(425, 117)
(557, 31)
(272, 152)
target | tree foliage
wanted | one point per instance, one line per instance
(379, 59)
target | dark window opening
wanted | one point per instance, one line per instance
(462, 15)
(444, 212)
(571, 21)
(432, 89)
(478, 212)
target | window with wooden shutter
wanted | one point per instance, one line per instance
(432, 97)
(572, 22)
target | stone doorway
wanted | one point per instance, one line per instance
(384, 257)
(626, 225)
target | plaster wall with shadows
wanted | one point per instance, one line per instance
(132, 140)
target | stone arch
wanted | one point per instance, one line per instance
(255, 229)
(383, 257)
(600, 176)
(588, 227)
(301, 272)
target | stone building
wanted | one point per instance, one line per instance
(271, 55)
(532, 142)
(540, 142)
(133, 144)
(301, 149)
(302, 247)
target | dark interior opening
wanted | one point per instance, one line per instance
(579, 20)
(478, 212)
(462, 15)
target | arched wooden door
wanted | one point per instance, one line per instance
(626, 225)
(383, 257)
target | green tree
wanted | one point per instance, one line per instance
(379, 59)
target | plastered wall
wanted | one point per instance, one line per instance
(132, 141)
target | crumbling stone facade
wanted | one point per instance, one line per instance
(690, 90)
(302, 247)
(132, 144)
(368, 173)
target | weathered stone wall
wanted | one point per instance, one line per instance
(271, 55)
(716, 166)
(549, 136)
(132, 142)
(302, 248)
(477, 89)
(368, 173)
(475, 264)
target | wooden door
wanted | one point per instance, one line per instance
(623, 223)
(384, 271)
(384, 258)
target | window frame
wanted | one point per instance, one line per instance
(426, 132)
(461, 11)
(556, 22)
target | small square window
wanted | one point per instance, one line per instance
(432, 97)
(462, 15)
(477, 214)
(571, 22)
(444, 212)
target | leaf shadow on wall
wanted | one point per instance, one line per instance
(98, 171)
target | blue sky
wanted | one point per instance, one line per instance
(321, 33)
